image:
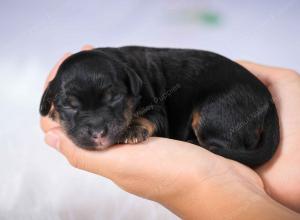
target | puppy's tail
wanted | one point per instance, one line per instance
(266, 146)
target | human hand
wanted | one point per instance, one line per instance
(173, 173)
(281, 175)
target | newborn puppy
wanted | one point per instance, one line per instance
(108, 96)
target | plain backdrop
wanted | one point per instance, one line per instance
(38, 183)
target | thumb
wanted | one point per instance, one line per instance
(92, 161)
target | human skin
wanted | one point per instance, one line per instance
(194, 183)
(281, 175)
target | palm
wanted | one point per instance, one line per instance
(164, 164)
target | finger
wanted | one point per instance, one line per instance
(267, 74)
(92, 161)
(46, 124)
(87, 47)
(257, 70)
(75, 155)
(55, 68)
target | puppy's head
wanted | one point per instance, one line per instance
(93, 96)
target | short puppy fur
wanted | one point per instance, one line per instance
(108, 96)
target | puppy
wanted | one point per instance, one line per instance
(108, 96)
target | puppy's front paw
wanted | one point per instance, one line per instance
(135, 134)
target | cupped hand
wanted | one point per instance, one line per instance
(168, 171)
(281, 175)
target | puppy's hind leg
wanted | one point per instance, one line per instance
(197, 124)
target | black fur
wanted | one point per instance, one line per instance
(124, 95)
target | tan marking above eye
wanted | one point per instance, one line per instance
(107, 96)
(258, 131)
(72, 101)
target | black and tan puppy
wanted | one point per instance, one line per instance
(124, 95)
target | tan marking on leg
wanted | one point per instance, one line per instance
(139, 130)
(148, 125)
(196, 120)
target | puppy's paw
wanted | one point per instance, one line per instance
(135, 134)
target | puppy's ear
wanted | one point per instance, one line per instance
(48, 98)
(134, 81)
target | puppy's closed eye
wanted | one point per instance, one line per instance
(116, 98)
(71, 104)
(111, 98)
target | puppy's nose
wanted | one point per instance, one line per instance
(98, 134)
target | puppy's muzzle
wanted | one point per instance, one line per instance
(98, 135)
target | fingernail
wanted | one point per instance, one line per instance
(52, 140)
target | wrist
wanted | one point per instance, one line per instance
(210, 198)
(224, 196)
